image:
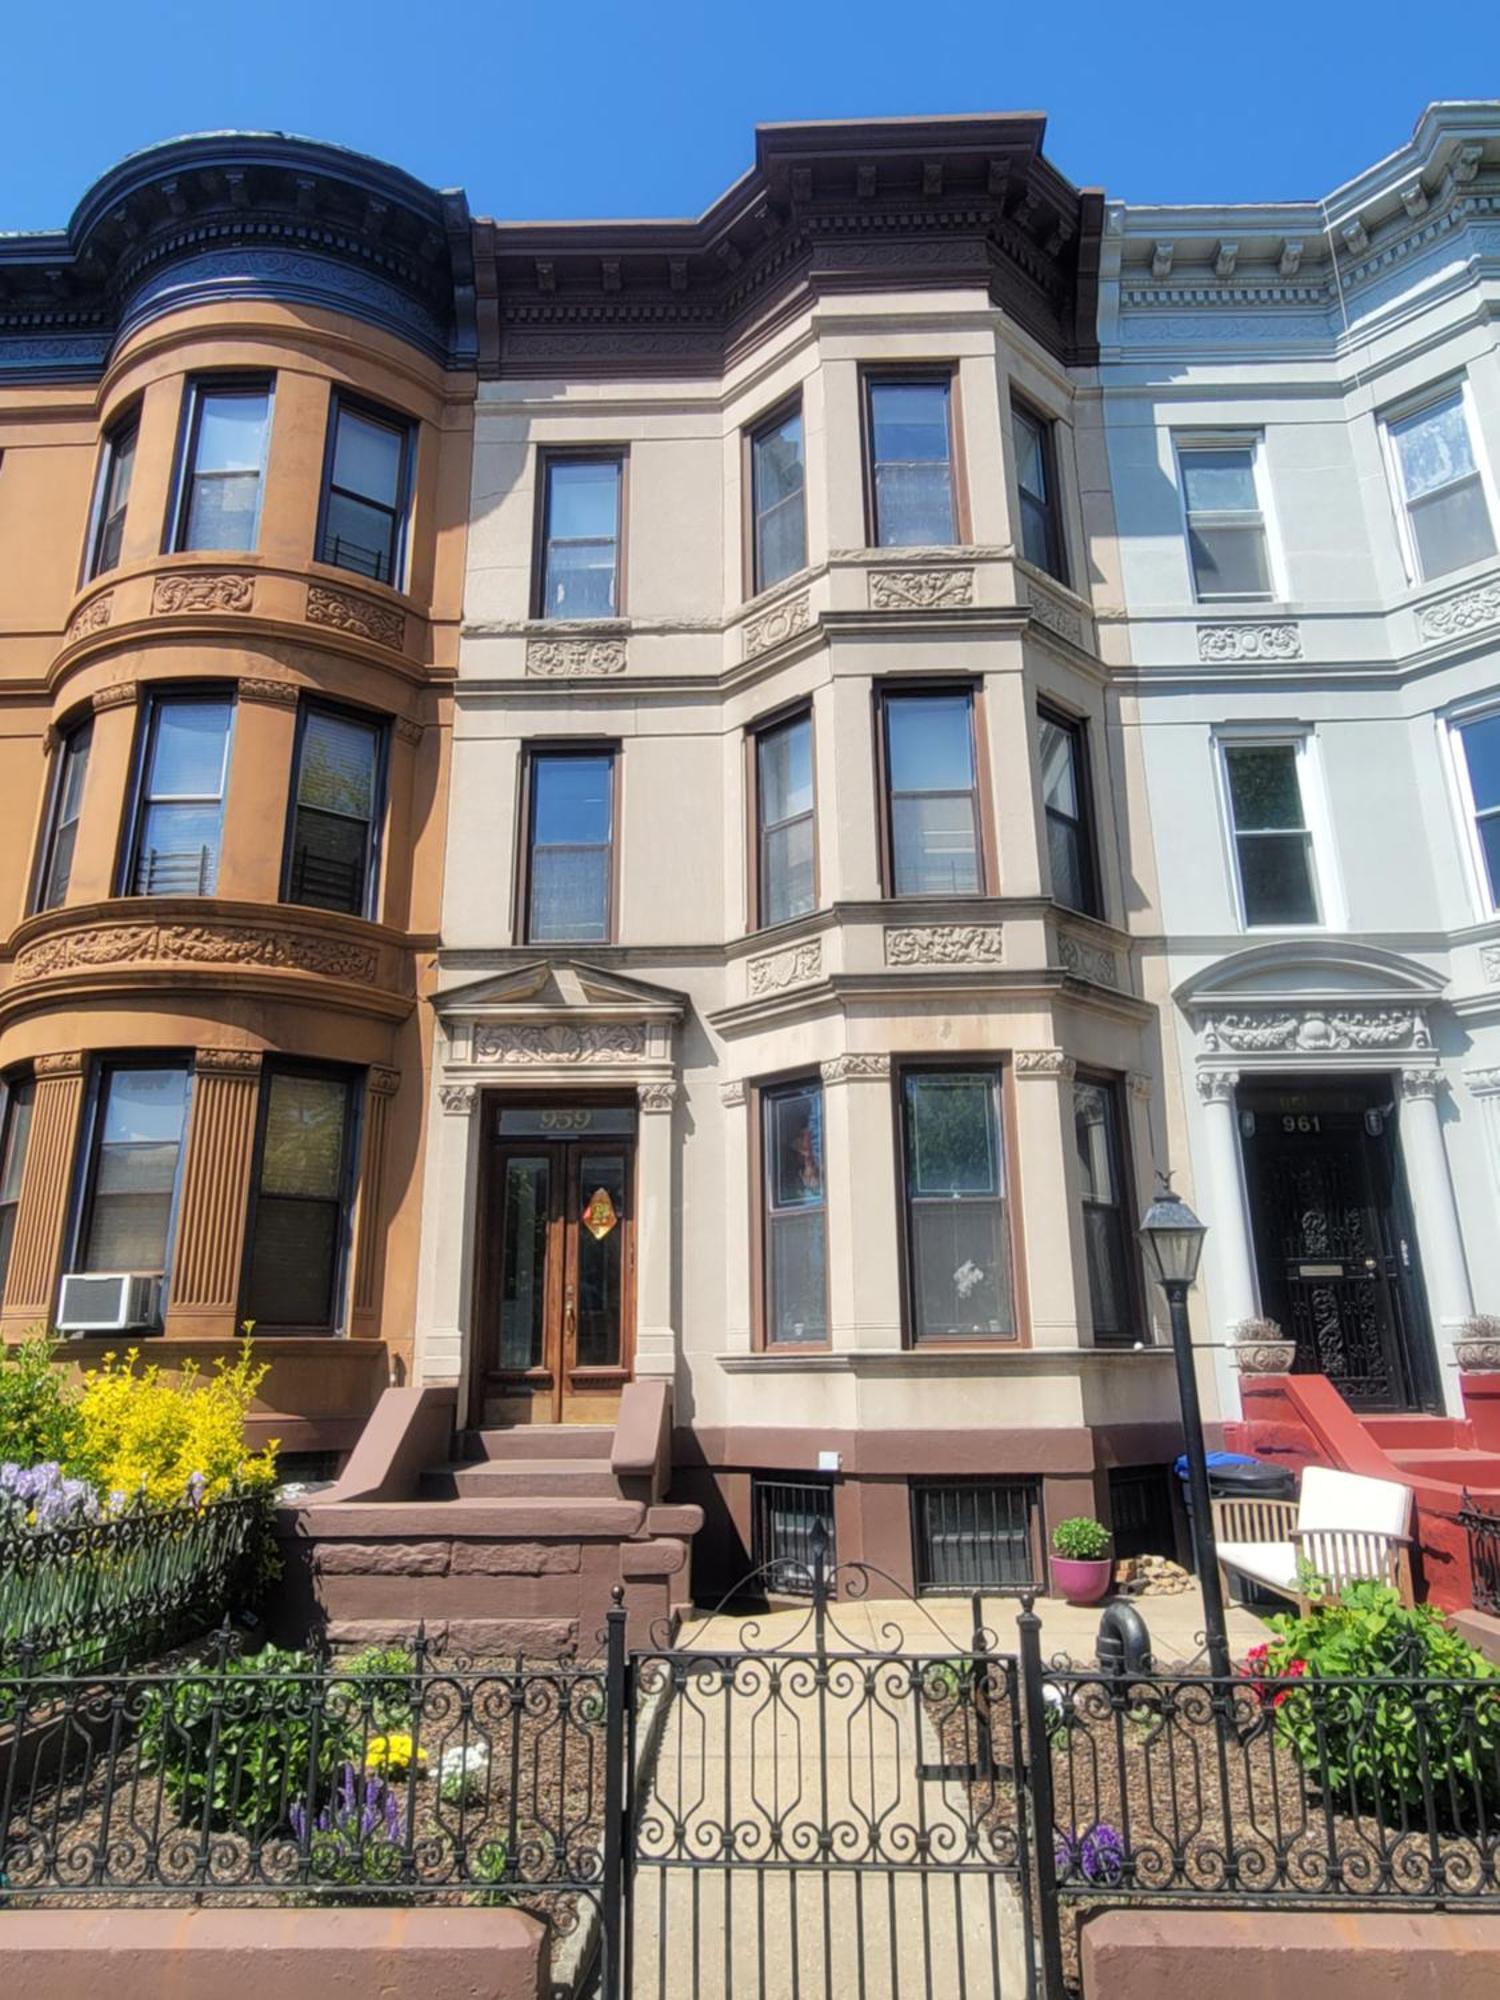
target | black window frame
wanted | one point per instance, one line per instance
(536, 753)
(1086, 826)
(75, 737)
(85, 1189)
(764, 427)
(374, 831)
(400, 514)
(887, 694)
(760, 732)
(125, 430)
(1046, 506)
(1117, 1139)
(139, 799)
(1022, 1493)
(944, 376)
(549, 459)
(355, 1081)
(19, 1096)
(197, 389)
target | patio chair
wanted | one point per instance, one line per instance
(1345, 1527)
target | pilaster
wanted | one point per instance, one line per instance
(210, 1249)
(864, 1279)
(36, 1252)
(1429, 1185)
(371, 1221)
(738, 1169)
(1053, 1262)
(655, 1337)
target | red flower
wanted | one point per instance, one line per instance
(1294, 1670)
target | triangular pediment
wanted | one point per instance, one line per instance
(1298, 971)
(558, 989)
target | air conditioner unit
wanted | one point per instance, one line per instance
(107, 1301)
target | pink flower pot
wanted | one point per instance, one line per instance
(1082, 1582)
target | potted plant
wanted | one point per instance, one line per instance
(1081, 1568)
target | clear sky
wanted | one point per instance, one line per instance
(544, 108)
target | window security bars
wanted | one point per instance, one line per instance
(974, 1537)
(790, 1517)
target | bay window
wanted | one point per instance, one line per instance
(793, 1216)
(302, 1193)
(957, 1214)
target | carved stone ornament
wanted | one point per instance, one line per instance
(943, 944)
(227, 1062)
(1483, 1082)
(780, 969)
(856, 1069)
(407, 730)
(1315, 1031)
(1050, 1065)
(457, 1099)
(781, 622)
(732, 1094)
(122, 694)
(1054, 615)
(1217, 1086)
(1419, 1084)
(279, 694)
(920, 589)
(186, 590)
(1469, 611)
(1087, 961)
(1140, 1086)
(1477, 1348)
(91, 617)
(1218, 644)
(357, 615)
(560, 1042)
(575, 659)
(1489, 963)
(68, 1062)
(656, 1096)
(1265, 1357)
(383, 1082)
(197, 944)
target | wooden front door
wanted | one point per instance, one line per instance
(559, 1276)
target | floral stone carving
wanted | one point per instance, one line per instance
(197, 944)
(345, 613)
(920, 589)
(783, 621)
(1218, 644)
(93, 616)
(943, 944)
(186, 590)
(780, 969)
(560, 1042)
(1470, 611)
(1087, 961)
(1477, 1348)
(575, 658)
(1316, 1030)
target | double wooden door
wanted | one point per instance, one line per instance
(560, 1278)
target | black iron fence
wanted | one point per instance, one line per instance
(1483, 1531)
(105, 1591)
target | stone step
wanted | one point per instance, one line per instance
(1416, 1433)
(530, 1441)
(523, 1479)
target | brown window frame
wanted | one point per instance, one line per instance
(989, 872)
(548, 456)
(1058, 567)
(1077, 728)
(765, 725)
(567, 746)
(768, 420)
(1139, 1327)
(759, 1093)
(1005, 1100)
(877, 374)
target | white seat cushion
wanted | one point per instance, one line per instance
(1332, 1499)
(1274, 1563)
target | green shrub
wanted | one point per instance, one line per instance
(1081, 1540)
(1368, 1744)
(38, 1407)
(379, 1682)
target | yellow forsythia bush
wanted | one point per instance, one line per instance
(141, 1434)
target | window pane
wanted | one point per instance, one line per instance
(961, 1270)
(144, 1107)
(187, 749)
(777, 476)
(580, 580)
(1481, 741)
(786, 777)
(913, 478)
(1031, 457)
(231, 432)
(524, 1261)
(330, 862)
(224, 479)
(66, 806)
(179, 851)
(1070, 883)
(118, 468)
(134, 1170)
(569, 894)
(1219, 481)
(953, 1143)
(1263, 786)
(1489, 836)
(302, 1150)
(17, 1129)
(1059, 768)
(359, 537)
(1036, 534)
(929, 743)
(796, 1309)
(1230, 562)
(914, 506)
(294, 1263)
(1452, 528)
(910, 421)
(1432, 447)
(583, 499)
(794, 1136)
(599, 1265)
(336, 765)
(367, 458)
(1276, 878)
(934, 851)
(786, 888)
(1093, 1133)
(571, 798)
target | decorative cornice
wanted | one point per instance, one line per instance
(775, 625)
(1313, 1030)
(67, 1062)
(920, 589)
(1045, 1065)
(241, 1063)
(120, 694)
(280, 694)
(944, 944)
(341, 611)
(1087, 961)
(575, 659)
(855, 1069)
(560, 1042)
(1224, 644)
(777, 970)
(207, 944)
(192, 590)
(656, 1097)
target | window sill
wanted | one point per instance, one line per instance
(928, 1359)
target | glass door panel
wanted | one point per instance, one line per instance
(525, 1217)
(600, 1235)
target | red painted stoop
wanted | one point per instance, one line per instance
(1303, 1420)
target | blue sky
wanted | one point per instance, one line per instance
(597, 107)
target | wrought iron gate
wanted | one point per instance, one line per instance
(830, 1816)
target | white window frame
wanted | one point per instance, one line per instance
(1254, 442)
(1452, 726)
(1327, 887)
(1428, 398)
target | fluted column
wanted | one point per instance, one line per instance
(1439, 1237)
(655, 1338)
(204, 1293)
(36, 1252)
(1228, 1250)
(372, 1221)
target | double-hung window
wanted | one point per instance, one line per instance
(785, 871)
(133, 1160)
(14, 1132)
(1036, 480)
(931, 793)
(778, 499)
(1106, 1224)
(1445, 517)
(570, 846)
(909, 443)
(1270, 825)
(793, 1216)
(1480, 744)
(113, 496)
(1068, 805)
(179, 816)
(331, 852)
(64, 806)
(302, 1193)
(223, 465)
(1226, 523)
(365, 491)
(958, 1248)
(580, 556)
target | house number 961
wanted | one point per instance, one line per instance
(1301, 1121)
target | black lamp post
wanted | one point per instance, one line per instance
(1173, 1237)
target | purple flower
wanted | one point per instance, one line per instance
(196, 1487)
(363, 1809)
(1097, 1854)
